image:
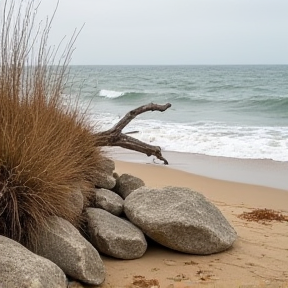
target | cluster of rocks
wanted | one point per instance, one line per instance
(122, 213)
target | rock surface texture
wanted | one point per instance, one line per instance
(62, 243)
(105, 179)
(127, 183)
(21, 268)
(108, 200)
(76, 200)
(115, 236)
(180, 219)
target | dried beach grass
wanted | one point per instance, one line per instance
(47, 149)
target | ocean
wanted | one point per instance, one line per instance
(231, 111)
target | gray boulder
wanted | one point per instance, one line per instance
(126, 184)
(76, 200)
(104, 178)
(21, 268)
(115, 236)
(108, 200)
(108, 165)
(180, 219)
(62, 243)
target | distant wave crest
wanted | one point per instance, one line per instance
(111, 93)
(273, 102)
(124, 96)
(273, 105)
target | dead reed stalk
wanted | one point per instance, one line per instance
(47, 149)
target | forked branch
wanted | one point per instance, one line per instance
(115, 137)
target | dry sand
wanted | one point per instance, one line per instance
(258, 258)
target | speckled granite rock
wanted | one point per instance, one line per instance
(115, 236)
(126, 184)
(21, 268)
(180, 219)
(62, 243)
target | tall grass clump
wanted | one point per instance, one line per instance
(47, 149)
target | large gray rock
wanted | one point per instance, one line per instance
(21, 268)
(180, 219)
(126, 184)
(62, 243)
(108, 200)
(114, 236)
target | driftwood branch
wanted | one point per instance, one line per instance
(115, 137)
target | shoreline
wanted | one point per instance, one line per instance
(260, 172)
(219, 191)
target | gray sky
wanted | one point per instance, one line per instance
(173, 31)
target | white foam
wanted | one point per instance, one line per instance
(214, 139)
(110, 93)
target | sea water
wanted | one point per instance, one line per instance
(231, 111)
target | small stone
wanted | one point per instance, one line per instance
(105, 178)
(126, 184)
(108, 200)
(104, 181)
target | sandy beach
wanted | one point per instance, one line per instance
(258, 258)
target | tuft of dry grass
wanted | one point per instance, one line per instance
(47, 149)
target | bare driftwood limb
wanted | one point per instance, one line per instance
(115, 137)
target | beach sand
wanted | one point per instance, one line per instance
(258, 258)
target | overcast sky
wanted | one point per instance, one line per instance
(173, 31)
